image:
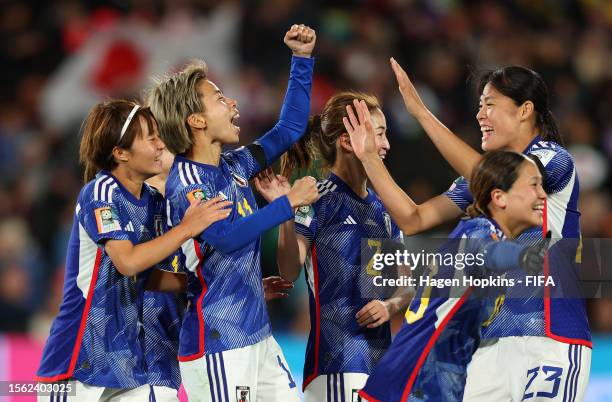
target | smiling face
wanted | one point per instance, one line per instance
(380, 129)
(523, 203)
(499, 119)
(144, 156)
(220, 113)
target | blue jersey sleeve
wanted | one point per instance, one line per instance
(294, 113)
(499, 256)
(230, 234)
(559, 167)
(459, 193)
(101, 218)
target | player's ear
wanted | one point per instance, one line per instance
(498, 198)
(526, 110)
(120, 154)
(345, 142)
(197, 121)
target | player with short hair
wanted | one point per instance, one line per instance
(226, 348)
(348, 315)
(118, 233)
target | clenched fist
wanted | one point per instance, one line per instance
(301, 40)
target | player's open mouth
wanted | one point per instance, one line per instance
(382, 155)
(539, 208)
(487, 131)
(234, 120)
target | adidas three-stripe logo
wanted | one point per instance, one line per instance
(349, 221)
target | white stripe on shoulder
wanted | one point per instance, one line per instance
(111, 189)
(100, 188)
(188, 174)
(196, 176)
(181, 167)
(105, 189)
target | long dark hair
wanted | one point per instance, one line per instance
(322, 133)
(496, 170)
(522, 84)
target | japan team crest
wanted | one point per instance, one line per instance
(243, 394)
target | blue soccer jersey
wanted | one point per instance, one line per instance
(428, 358)
(226, 307)
(162, 316)
(97, 337)
(535, 313)
(337, 285)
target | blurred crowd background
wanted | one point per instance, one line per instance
(59, 58)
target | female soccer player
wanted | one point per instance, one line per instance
(513, 114)
(226, 345)
(420, 364)
(163, 314)
(349, 330)
(118, 233)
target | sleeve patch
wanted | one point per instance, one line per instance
(106, 220)
(544, 155)
(304, 215)
(197, 195)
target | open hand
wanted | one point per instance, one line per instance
(412, 100)
(301, 40)
(359, 127)
(271, 186)
(276, 287)
(373, 314)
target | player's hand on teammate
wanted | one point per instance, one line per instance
(303, 192)
(532, 259)
(373, 314)
(412, 100)
(301, 40)
(201, 215)
(359, 127)
(271, 186)
(276, 287)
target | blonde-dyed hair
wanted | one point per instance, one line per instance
(172, 100)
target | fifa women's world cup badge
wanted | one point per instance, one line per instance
(197, 195)
(107, 220)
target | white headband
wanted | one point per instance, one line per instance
(128, 120)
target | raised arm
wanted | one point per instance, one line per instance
(411, 217)
(457, 153)
(296, 106)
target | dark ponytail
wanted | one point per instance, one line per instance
(322, 132)
(302, 154)
(522, 84)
